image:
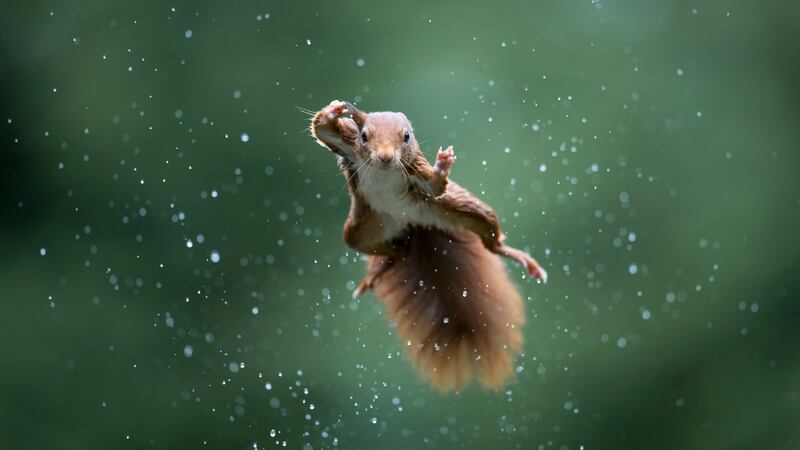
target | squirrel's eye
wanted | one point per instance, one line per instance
(406, 136)
(364, 136)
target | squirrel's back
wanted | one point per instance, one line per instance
(455, 309)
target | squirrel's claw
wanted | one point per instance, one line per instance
(541, 276)
(536, 271)
(525, 260)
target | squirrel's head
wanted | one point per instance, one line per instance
(385, 139)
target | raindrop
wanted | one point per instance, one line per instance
(215, 257)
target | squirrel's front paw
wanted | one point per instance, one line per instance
(333, 111)
(444, 160)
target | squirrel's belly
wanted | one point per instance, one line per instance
(387, 193)
(407, 212)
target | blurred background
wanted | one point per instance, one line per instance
(173, 271)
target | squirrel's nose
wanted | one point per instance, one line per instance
(385, 158)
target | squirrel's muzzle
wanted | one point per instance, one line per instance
(384, 154)
(385, 158)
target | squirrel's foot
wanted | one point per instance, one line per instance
(376, 269)
(444, 160)
(531, 266)
(537, 272)
(367, 283)
(363, 287)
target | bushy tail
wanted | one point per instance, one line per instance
(454, 307)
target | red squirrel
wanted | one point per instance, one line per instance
(430, 248)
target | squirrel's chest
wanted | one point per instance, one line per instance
(387, 192)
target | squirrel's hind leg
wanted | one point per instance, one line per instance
(527, 261)
(376, 266)
(492, 237)
(479, 218)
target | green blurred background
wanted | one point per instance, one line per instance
(173, 271)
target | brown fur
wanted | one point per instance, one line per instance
(422, 274)
(427, 286)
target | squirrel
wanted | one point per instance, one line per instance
(430, 248)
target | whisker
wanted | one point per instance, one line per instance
(355, 172)
(421, 143)
(405, 169)
(408, 175)
(305, 111)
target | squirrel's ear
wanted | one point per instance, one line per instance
(359, 116)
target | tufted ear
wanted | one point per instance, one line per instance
(359, 116)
